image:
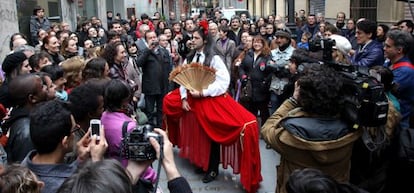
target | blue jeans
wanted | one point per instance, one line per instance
(275, 102)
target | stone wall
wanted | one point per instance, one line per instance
(8, 25)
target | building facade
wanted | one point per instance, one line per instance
(15, 14)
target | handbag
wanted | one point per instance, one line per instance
(246, 92)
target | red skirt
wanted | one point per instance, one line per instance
(222, 120)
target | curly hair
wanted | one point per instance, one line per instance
(110, 52)
(19, 179)
(320, 90)
(73, 69)
(50, 122)
(314, 180)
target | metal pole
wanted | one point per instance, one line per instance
(291, 17)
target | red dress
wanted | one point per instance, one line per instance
(223, 120)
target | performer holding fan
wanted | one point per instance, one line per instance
(202, 119)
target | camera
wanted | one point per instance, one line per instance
(155, 43)
(136, 144)
(326, 45)
(364, 99)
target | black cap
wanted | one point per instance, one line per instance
(12, 61)
(144, 16)
(283, 33)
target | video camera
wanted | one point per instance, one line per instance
(136, 144)
(365, 102)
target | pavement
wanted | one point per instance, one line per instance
(226, 181)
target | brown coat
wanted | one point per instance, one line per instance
(332, 157)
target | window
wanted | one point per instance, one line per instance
(364, 8)
(317, 6)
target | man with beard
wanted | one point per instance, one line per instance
(184, 46)
(207, 117)
(280, 59)
(340, 22)
(235, 31)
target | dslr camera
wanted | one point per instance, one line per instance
(136, 144)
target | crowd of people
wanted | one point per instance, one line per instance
(270, 84)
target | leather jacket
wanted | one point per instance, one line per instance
(19, 142)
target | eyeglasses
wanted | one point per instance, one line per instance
(75, 129)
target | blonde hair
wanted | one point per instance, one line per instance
(94, 52)
(341, 58)
(19, 179)
(73, 70)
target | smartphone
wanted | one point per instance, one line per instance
(95, 125)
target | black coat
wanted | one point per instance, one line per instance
(156, 68)
(259, 73)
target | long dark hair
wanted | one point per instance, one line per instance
(94, 68)
(208, 44)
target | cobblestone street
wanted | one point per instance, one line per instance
(226, 182)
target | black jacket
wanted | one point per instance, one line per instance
(156, 68)
(19, 142)
(259, 73)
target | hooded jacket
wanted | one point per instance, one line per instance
(309, 142)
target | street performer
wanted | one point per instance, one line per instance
(203, 122)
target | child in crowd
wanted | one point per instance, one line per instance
(56, 74)
(304, 44)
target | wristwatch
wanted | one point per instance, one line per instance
(293, 101)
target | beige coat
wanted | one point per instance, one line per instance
(332, 157)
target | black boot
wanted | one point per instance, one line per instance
(210, 176)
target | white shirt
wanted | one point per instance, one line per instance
(220, 84)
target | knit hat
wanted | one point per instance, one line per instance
(283, 33)
(12, 61)
(341, 43)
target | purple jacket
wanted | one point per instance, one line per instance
(112, 123)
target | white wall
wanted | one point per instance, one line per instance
(9, 25)
(332, 7)
(69, 13)
(142, 6)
